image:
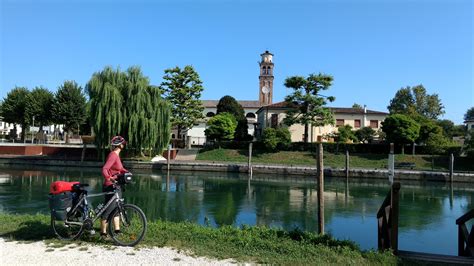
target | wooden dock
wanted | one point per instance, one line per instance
(435, 258)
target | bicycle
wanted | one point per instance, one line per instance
(81, 216)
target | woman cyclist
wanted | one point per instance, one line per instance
(112, 167)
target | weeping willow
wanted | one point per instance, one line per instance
(124, 103)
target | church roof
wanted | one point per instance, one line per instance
(245, 104)
(336, 110)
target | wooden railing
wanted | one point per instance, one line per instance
(387, 220)
(465, 238)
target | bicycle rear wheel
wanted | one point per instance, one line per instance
(65, 230)
(132, 225)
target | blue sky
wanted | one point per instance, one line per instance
(372, 48)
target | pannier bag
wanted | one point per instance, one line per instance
(60, 204)
(61, 186)
(61, 198)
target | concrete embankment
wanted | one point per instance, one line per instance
(243, 168)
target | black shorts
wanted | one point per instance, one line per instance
(112, 206)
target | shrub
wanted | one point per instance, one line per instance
(269, 139)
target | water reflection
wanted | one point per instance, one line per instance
(427, 211)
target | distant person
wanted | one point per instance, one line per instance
(113, 166)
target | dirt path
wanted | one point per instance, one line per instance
(40, 253)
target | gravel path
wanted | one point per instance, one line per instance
(40, 253)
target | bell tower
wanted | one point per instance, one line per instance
(265, 92)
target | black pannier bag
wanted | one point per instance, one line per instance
(60, 204)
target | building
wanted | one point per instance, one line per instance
(273, 115)
(196, 136)
(264, 113)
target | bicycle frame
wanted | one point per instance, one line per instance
(83, 202)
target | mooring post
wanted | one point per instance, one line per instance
(320, 167)
(250, 160)
(451, 167)
(169, 156)
(394, 215)
(347, 164)
(391, 163)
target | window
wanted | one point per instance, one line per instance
(250, 115)
(339, 122)
(269, 71)
(357, 123)
(264, 72)
(274, 120)
(173, 136)
(374, 123)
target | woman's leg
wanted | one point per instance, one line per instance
(103, 227)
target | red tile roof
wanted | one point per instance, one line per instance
(337, 110)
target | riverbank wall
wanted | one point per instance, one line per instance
(243, 168)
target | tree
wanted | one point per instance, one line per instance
(450, 130)
(221, 127)
(469, 115)
(306, 103)
(69, 108)
(357, 106)
(13, 109)
(229, 104)
(183, 89)
(400, 129)
(469, 144)
(365, 134)
(124, 103)
(428, 130)
(38, 108)
(416, 102)
(346, 134)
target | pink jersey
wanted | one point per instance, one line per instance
(111, 168)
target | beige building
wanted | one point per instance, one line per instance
(273, 115)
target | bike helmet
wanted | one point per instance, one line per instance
(117, 140)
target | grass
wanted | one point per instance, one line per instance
(246, 244)
(306, 158)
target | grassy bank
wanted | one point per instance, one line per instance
(306, 158)
(248, 244)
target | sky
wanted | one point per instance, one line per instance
(372, 48)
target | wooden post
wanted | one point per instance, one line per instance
(391, 163)
(83, 152)
(451, 167)
(347, 164)
(169, 156)
(394, 213)
(460, 241)
(250, 160)
(320, 167)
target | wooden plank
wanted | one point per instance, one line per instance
(428, 257)
(466, 217)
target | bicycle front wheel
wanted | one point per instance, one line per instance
(127, 227)
(65, 230)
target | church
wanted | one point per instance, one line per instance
(264, 113)
(196, 135)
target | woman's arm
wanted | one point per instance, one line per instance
(107, 166)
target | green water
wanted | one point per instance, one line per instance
(427, 210)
